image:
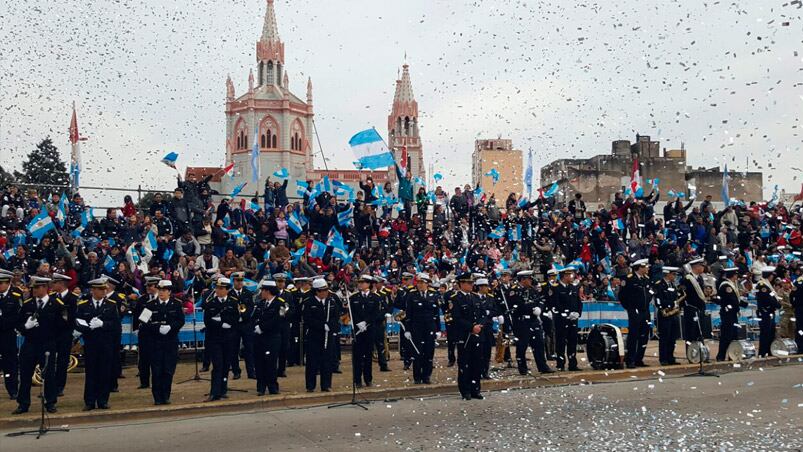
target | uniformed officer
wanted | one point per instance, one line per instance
(667, 315)
(546, 318)
(503, 308)
(527, 307)
(42, 319)
(400, 302)
(796, 299)
(97, 319)
(422, 324)
(468, 316)
(483, 291)
(321, 314)
(144, 337)
(243, 329)
(286, 322)
(730, 301)
(566, 311)
(380, 325)
(65, 341)
(120, 301)
(365, 309)
(766, 303)
(302, 292)
(221, 315)
(10, 304)
(164, 321)
(635, 297)
(694, 308)
(269, 314)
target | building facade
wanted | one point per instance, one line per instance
(598, 178)
(498, 154)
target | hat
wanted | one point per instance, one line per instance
(380, 280)
(39, 281)
(60, 277)
(505, 271)
(365, 278)
(768, 269)
(666, 269)
(524, 274)
(423, 277)
(723, 258)
(730, 271)
(320, 284)
(640, 263)
(464, 277)
(407, 275)
(280, 276)
(5, 276)
(98, 283)
(551, 271)
(165, 284)
(697, 261)
(152, 280)
(111, 280)
(568, 269)
(238, 275)
(265, 284)
(223, 282)
(481, 282)
(302, 279)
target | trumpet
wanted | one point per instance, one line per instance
(401, 315)
(675, 309)
(242, 308)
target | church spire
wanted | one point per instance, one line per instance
(270, 46)
(309, 91)
(403, 117)
(270, 32)
(404, 87)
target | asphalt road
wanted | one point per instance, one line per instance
(750, 410)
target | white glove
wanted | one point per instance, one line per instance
(226, 326)
(326, 327)
(437, 335)
(258, 330)
(95, 323)
(408, 335)
(31, 323)
(536, 311)
(216, 318)
(501, 320)
(362, 326)
(574, 315)
(548, 314)
(164, 329)
(76, 334)
(388, 317)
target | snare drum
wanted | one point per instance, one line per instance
(697, 351)
(783, 347)
(741, 350)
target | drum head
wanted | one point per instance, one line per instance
(783, 347)
(696, 352)
(741, 350)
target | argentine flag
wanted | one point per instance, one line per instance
(295, 223)
(514, 235)
(150, 243)
(344, 217)
(318, 249)
(370, 150)
(61, 213)
(40, 225)
(498, 233)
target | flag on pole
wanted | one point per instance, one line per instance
(528, 174)
(61, 212)
(635, 180)
(170, 159)
(552, 191)
(228, 168)
(494, 175)
(522, 202)
(282, 173)
(40, 225)
(514, 234)
(150, 242)
(344, 217)
(317, 249)
(109, 264)
(86, 217)
(295, 222)
(238, 189)
(370, 150)
(75, 155)
(403, 165)
(725, 192)
(498, 233)
(255, 176)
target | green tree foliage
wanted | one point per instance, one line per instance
(44, 167)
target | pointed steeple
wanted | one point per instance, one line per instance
(229, 88)
(270, 32)
(404, 113)
(251, 81)
(404, 87)
(286, 81)
(270, 46)
(309, 91)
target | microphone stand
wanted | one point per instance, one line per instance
(700, 371)
(197, 376)
(44, 425)
(354, 402)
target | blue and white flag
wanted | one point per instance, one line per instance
(109, 264)
(342, 254)
(255, 176)
(255, 206)
(40, 225)
(295, 223)
(325, 185)
(301, 188)
(370, 150)
(522, 202)
(552, 191)
(61, 212)
(774, 200)
(437, 177)
(170, 159)
(8, 254)
(282, 173)
(498, 233)
(150, 242)
(335, 239)
(494, 175)
(528, 174)
(86, 217)
(418, 180)
(514, 234)
(297, 255)
(318, 249)
(238, 189)
(344, 217)
(168, 254)
(725, 192)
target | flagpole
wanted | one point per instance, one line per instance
(318, 137)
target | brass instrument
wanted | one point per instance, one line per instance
(502, 343)
(447, 317)
(675, 309)
(242, 308)
(401, 315)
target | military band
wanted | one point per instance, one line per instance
(635, 297)
(730, 302)
(668, 301)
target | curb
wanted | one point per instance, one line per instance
(318, 399)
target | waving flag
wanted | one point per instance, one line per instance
(335, 239)
(774, 201)
(301, 188)
(619, 224)
(228, 168)
(552, 191)
(370, 150)
(75, 155)
(282, 173)
(498, 233)
(295, 223)
(403, 164)
(325, 185)
(40, 225)
(635, 181)
(297, 255)
(317, 249)
(437, 177)
(419, 181)
(255, 206)
(494, 175)
(109, 264)
(170, 159)
(61, 212)
(725, 192)
(238, 189)
(86, 217)
(514, 235)
(342, 254)
(150, 242)
(522, 202)
(344, 217)
(255, 169)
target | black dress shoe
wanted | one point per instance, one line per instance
(61, 393)
(237, 376)
(477, 396)
(88, 408)
(212, 399)
(310, 390)
(282, 375)
(466, 397)
(451, 364)
(641, 364)
(51, 408)
(417, 382)
(273, 392)
(204, 369)
(630, 366)
(368, 384)
(103, 406)
(325, 390)
(252, 377)
(20, 410)
(12, 396)
(358, 385)
(673, 363)
(547, 371)
(522, 373)
(384, 369)
(337, 371)
(427, 381)
(114, 390)
(260, 393)
(167, 402)
(224, 396)
(575, 369)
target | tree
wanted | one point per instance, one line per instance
(5, 177)
(44, 167)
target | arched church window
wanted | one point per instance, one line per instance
(273, 141)
(297, 136)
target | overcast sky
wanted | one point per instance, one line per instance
(561, 78)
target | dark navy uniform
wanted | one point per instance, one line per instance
(286, 323)
(694, 309)
(65, 341)
(380, 327)
(221, 317)
(489, 304)
(99, 348)
(244, 335)
(566, 313)
(451, 334)
(666, 297)
(10, 305)
(767, 303)
(164, 353)
(635, 297)
(117, 363)
(527, 305)
(320, 351)
(467, 312)
(729, 304)
(796, 298)
(365, 309)
(423, 321)
(268, 319)
(144, 341)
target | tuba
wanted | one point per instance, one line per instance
(675, 309)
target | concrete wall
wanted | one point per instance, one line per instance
(746, 187)
(510, 167)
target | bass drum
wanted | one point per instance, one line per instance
(697, 351)
(783, 347)
(741, 350)
(603, 347)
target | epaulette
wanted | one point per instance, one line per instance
(58, 300)
(430, 289)
(544, 284)
(454, 295)
(629, 275)
(410, 287)
(82, 302)
(29, 299)
(112, 301)
(280, 299)
(19, 294)
(120, 296)
(800, 280)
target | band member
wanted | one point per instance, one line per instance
(635, 297)
(489, 305)
(527, 307)
(502, 295)
(301, 293)
(122, 306)
(10, 304)
(468, 316)
(380, 324)
(144, 337)
(400, 303)
(41, 321)
(59, 286)
(448, 320)
(243, 328)
(566, 312)
(321, 314)
(365, 309)
(164, 321)
(97, 319)
(667, 314)
(694, 309)
(269, 314)
(546, 318)
(286, 322)
(422, 327)
(729, 303)
(221, 315)
(767, 303)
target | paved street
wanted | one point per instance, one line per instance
(751, 410)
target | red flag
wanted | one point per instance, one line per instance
(403, 166)
(228, 168)
(74, 136)
(799, 197)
